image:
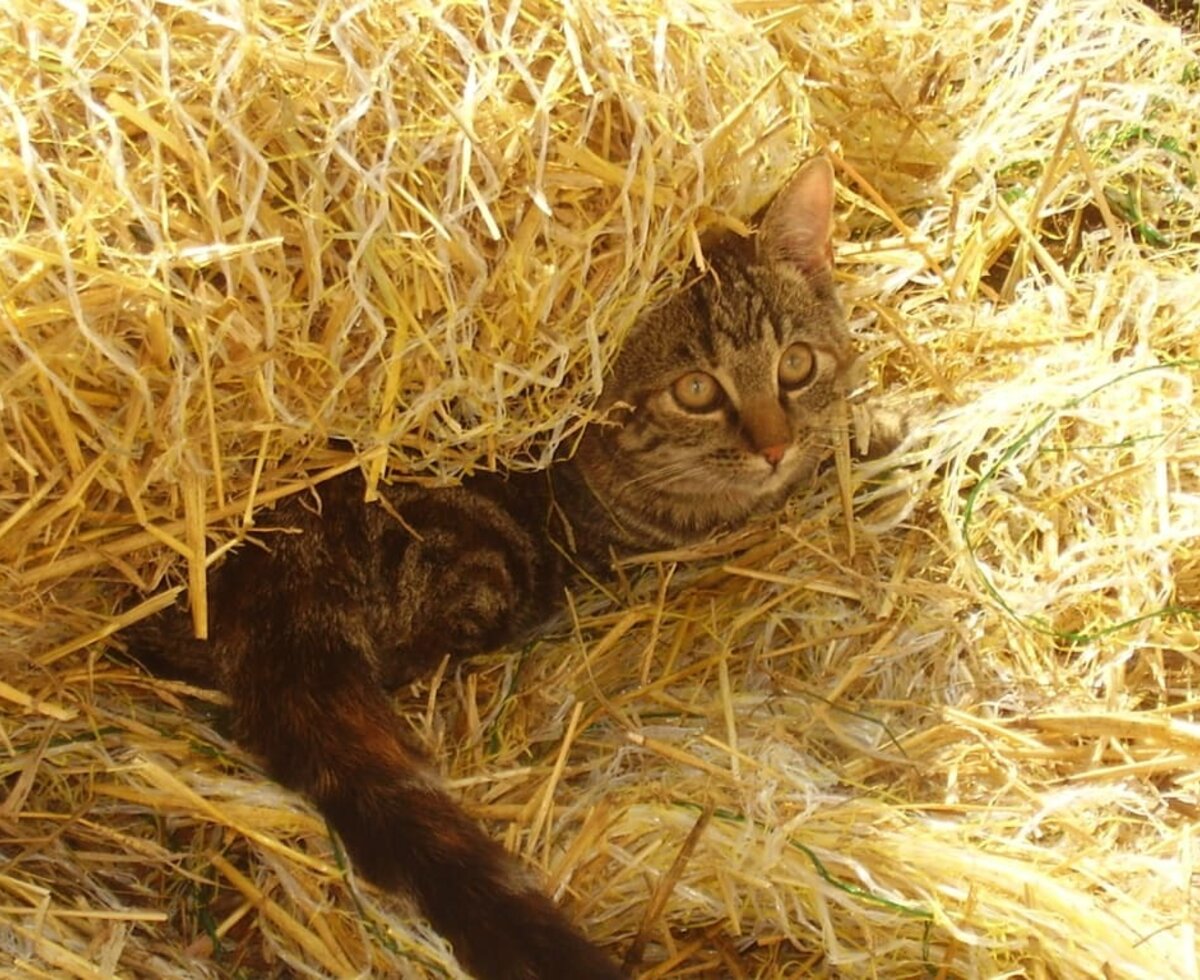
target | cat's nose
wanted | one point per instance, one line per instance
(765, 427)
(773, 454)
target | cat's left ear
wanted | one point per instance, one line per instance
(795, 229)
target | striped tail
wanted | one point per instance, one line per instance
(339, 743)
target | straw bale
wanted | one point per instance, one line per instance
(233, 234)
(951, 731)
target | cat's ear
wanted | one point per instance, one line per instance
(794, 232)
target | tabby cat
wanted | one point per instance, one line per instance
(720, 403)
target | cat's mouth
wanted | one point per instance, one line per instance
(698, 494)
(736, 485)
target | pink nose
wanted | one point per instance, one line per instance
(773, 454)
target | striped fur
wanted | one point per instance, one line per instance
(337, 601)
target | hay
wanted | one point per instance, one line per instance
(416, 229)
(957, 737)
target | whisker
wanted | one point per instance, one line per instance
(667, 474)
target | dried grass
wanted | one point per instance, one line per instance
(955, 737)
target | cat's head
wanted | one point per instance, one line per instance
(723, 400)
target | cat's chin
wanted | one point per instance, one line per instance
(691, 516)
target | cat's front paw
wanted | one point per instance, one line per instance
(878, 430)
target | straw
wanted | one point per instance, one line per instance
(247, 248)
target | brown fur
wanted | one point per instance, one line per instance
(310, 628)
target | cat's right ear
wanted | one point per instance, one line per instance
(794, 232)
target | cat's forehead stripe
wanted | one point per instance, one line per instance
(701, 339)
(741, 308)
(772, 326)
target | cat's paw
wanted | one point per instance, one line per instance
(879, 431)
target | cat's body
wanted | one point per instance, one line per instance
(719, 405)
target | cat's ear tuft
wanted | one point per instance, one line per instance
(795, 230)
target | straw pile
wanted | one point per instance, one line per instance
(950, 733)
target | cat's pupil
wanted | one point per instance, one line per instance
(697, 391)
(797, 366)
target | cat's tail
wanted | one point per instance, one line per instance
(342, 747)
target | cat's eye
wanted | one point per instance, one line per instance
(697, 391)
(796, 367)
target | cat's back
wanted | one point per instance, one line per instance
(420, 573)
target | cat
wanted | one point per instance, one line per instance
(720, 404)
